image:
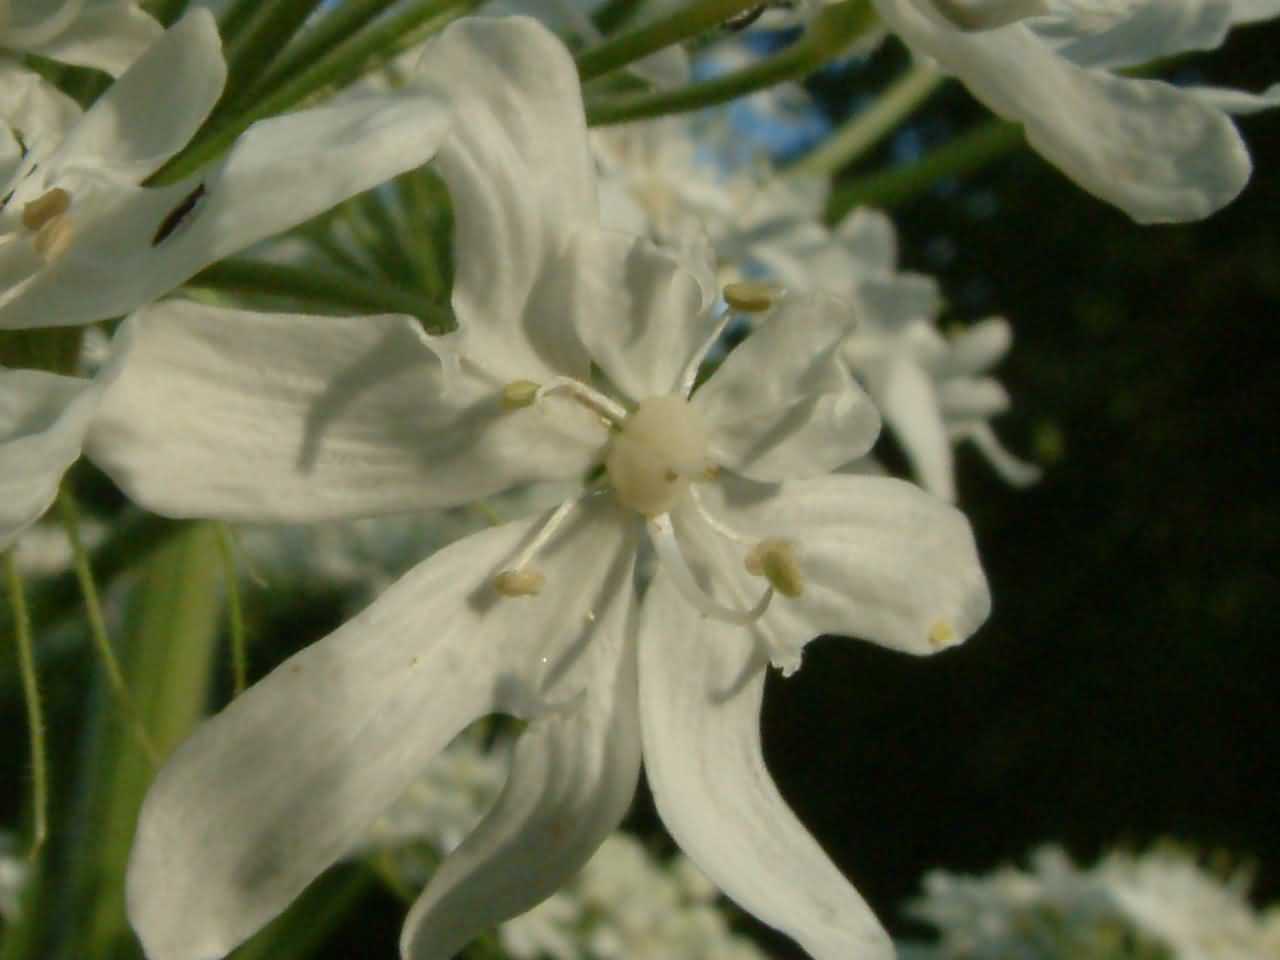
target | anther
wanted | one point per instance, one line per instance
(941, 634)
(519, 393)
(519, 583)
(775, 560)
(45, 208)
(52, 240)
(751, 296)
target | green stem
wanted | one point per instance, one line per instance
(339, 24)
(35, 709)
(969, 152)
(638, 43)
(235, 610)
(338, 289)
(97, 623)
(830, 33)
(341, 66)
(253, 48)
(868, 127)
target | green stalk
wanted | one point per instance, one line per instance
(635, 44)
(235, 610)
(831, 32)
(868, 127)
(35, 709)
(341, 66)
(171, 633)
(338, 24)
(337, 289)
(255, 46)
(98, 625)
(966, 153)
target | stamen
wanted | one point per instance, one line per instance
(941, 634)
(690, 374)
(715, 523)
(519, 393)
(54, 237)
(519, 583)
(593, 400)
(775, 560)
(663, 537)
(46, 207)
(751, 296)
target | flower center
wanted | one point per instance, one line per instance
(661, 446)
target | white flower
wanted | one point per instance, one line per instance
(13, 878)
(80, 240)
(1159, 152)
(105, 34)
(267, 416)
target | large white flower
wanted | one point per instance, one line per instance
(1159, 152)
(104, 34)
(759, 549)
(81, 240)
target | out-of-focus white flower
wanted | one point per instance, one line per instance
(1158, 904)
(1159, 152)
(760, 549)
(13, 877)
(104, 34)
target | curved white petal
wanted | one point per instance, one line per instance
(153, 109)
(278, 786)
(281, 172)
(988, 14)
(783, 404)
(107, 35)
(43, 420)
(701, 684)
(1238, 102)
(879, 559)
(40, 112)
(521, 180)
(573, 777)
(639, 309)
(1164, 28)
(978, 348)
(907, 398)
(1151, 149)
(279, 417)
(1013, 470)
(1251, 11)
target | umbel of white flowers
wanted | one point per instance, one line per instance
(760, 547)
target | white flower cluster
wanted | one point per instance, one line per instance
(1160, 905)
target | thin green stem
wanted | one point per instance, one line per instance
(973, 150)
(339, 24)
(342, 65)
(868, 127)
(255, 46)
(70, 515)
(344, 290)
(35, 710)
(635, 44)
(235, 610)
(830, 33)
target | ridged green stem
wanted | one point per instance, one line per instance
(35, 710)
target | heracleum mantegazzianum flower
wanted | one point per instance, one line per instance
(759, 549)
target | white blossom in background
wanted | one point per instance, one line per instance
(1159, 152)
(13, 877)
(104, 34)
(1159, 905)
(760, 548)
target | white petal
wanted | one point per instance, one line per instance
(1159, 29)
(107, 35)
(1238, 102)
(783, 404)
(152, 110)
(280, 172)
(640, 311)
(1149, 148)
(572, 780)
(270, 792)
(911, 407)
(35, 108)
(988, 14)
(870, 238)
(43, 420)
(278, 417)
(521, 180)
(879, 559)
(1251, 11)
(701, 684)
(1013, 470)
(979, 348)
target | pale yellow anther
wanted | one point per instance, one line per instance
(751, 296)
(518, 583)
(45, 207)
(941, 634)
(775, 560)
(518, 394)
(53, 239)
